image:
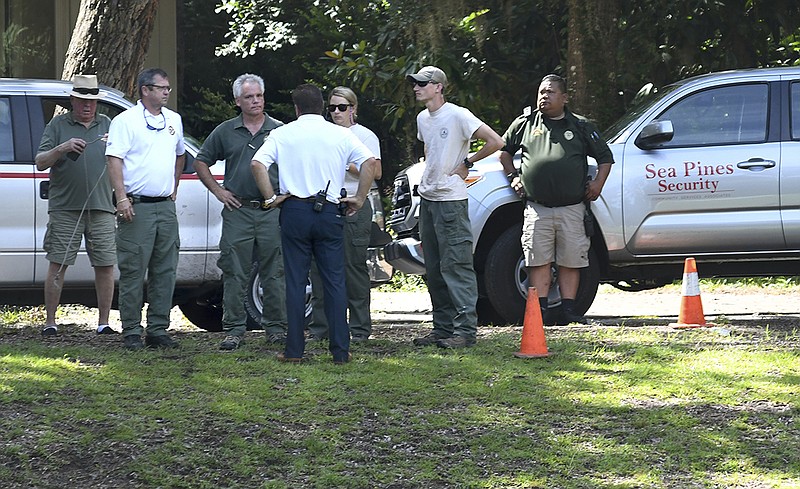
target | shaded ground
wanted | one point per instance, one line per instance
(744, 319)
(750, 313)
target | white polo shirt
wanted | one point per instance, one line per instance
(147, 146)
(310, 152)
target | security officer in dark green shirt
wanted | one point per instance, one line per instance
(553, 181)
(248, 222)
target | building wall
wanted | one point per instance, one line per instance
(63, 14)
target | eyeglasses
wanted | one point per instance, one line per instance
(87, 91)
(341, 107)
(421, 84)
(163, 88)
(163, 121)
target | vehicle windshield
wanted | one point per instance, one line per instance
(618, 129)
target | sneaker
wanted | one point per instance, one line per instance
(133, 342)
(231, 342)
(277, 338)
(359, 338)
(429, 339)
(105, 329)
(455, 342)
(316, 337)
(50, 331)
(160, 341)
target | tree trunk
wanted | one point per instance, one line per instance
(591, 59)
(111, 39)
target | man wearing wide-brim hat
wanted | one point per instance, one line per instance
(79, 199)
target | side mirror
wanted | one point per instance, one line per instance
(188, 166)
(654, 134)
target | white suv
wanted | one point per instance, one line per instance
(26, 106)
(705, 167)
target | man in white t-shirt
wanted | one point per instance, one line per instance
(446, 129)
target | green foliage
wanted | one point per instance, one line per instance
(211, 109)
(494, 51)
(13, 315)
(404, 283)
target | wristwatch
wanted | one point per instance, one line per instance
(268, 202)
(468, 163)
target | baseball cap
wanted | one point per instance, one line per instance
(430, 74)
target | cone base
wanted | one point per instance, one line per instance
(519, 354)
(691, 325)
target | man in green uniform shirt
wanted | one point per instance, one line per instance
(553, 181)
(247, 221)
(79, 201)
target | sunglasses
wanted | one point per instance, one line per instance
(87, 91)
(341, 107)
(420, 84)
(150, 126)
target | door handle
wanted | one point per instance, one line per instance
(44, 189)
(756, 164)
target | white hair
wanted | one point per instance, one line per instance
(246, 78)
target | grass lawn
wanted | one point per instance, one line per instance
(632, 405)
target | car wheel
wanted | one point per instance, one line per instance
(487, 315)
(254, 300)
(204, 315)
(506, 279)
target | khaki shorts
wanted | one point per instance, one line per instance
(67, 229)
(555, 234)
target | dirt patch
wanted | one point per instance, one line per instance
(746, 314)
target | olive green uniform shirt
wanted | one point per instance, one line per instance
(554, 166)
(231, 141)
(84, 180)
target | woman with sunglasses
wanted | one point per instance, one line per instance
(343, 110)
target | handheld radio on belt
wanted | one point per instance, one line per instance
(321, 198)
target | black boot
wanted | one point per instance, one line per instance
(568, 314)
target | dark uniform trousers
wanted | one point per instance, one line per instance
(357, 231)
(304, 233)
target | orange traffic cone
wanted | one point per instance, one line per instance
(533, 343)
(691, 313)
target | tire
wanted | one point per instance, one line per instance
(506, 279)
(487, 316)
(206, 316)
(254, 299)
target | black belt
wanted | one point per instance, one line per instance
(305, 199)
(550, 205)
(254, 203)
(143, 199)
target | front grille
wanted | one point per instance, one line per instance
(401, 200)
